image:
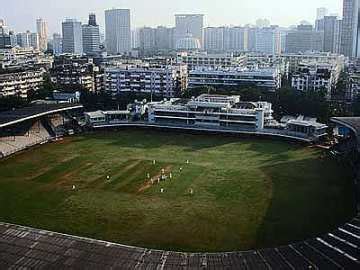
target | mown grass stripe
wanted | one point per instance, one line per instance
(58, 170)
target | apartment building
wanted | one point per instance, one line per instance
(24, 58)
(303, 39)
(155, 80)
(152, 40)
(225, 60)
(269, 78)
(268, 40)
(316, 76)
(19, 82)
(74, 72)
(294, 59)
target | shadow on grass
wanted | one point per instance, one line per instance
(304, 205)
(150, 139)
(32, 205)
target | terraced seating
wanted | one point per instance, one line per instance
(35, 134)
(6, 147)
(23, 247)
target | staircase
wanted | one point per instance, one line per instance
(45, 122)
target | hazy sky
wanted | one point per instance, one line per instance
(20, 15)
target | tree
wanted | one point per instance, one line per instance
(356, 106)
(44, 92)
(9, 103)
(195, 92)
(340, 88)
(285, 101)
(105, 101)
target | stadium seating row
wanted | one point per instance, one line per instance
(35, 135)
(31, 248)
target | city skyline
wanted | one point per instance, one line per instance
(288, 13)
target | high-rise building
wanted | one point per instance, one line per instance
(5, 41)
(321, 13)
(92, 20)
(214, 39)
(350, 28)
(320, 22)
(235, 39)
(28, 39)
(91, 36)
(164, 38)
(226, 39)
(329, 33)
(147, 39)
(337, 36)
(3, 28)
(135, 38)
(268, 40)
(72, 37)
(189, 24)
(23, 39)
(6, 37)
(283, 34)
(102, 38)
(151, 40)
(42, 30)
(57, 44)
(118, 31)
(303, 39)
(34, 41)
(252, 39)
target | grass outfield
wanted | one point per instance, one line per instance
(246, 193)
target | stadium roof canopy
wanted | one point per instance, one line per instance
(16, 116)
(352, 123)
